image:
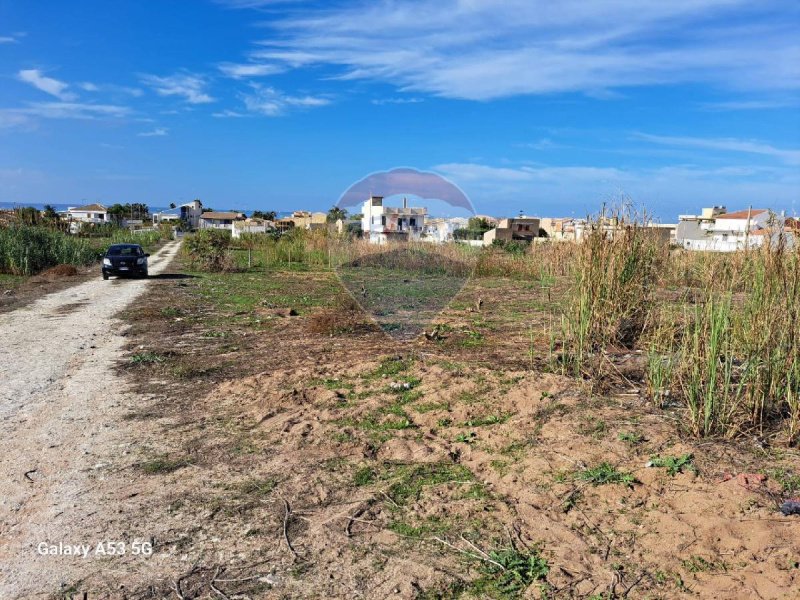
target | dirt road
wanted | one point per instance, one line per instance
(58, 403)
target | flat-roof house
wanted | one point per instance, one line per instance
(190, 213)
(519, 228)
(717, 230)
(220, 220)
(381, 224)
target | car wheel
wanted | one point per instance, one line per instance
(105, 275)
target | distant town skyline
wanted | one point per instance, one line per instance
(549, 109)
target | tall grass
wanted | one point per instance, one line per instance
(610, 299)
(26, 250)
(734, 346)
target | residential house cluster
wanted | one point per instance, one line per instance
(717, 230)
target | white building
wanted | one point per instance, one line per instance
(381, 224)
(220, 220)
(191, 212)
(91, 213)
(166, 216)
(717, 230)
(440, 229)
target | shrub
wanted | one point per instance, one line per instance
(208, 250)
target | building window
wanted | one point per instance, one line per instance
(412, 221)
(383, 220)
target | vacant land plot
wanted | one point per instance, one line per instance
(278, 458)
(271, 440)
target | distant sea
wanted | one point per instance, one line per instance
(153, 209)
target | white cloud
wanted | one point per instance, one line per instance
(272, 103)
(48, 85)
(228, 114)
(187, 85)
(110, 88)
(157, 132)
(246, 70)
(788, 156)
(7, 39)
(480, 50)
(401, 100)
(18, 117)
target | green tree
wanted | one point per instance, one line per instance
(336, 213)
(269, 215)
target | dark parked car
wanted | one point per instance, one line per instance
(125, 259)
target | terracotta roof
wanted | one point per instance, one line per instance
(90, 208)
(221, 215)
(742, 214)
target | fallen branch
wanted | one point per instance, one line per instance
(286, 515)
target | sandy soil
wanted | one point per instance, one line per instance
(58, 406)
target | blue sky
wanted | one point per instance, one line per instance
(546, 107)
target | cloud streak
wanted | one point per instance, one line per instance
(481, 50)
(270, 102)
(157, 132)
(788, 156)
(48, 85)
(189, 86)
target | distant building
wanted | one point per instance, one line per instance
(251, 226)
(191, 212)
(304, 219)
(382, 224)
(166, 216)
(220, 220)
(91, 213)
(517, 229)
(95, 214)
(717, 230)
(441, 229)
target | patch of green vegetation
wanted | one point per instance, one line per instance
(143, 358)
(257, 486)
(408, 480)
(377, 422)
(674, 464)
(487, 420)
(429, 526)
(333, 384)
(342, 437)
(171, 311)
(509, 574)
(467, 438)
(364, 476)
(698, 564)
(592, 427)
(517, 448)
(444, 422)
(426, 407)
(631, 438)
(472, 339)
(605, 473)
(789, 481)
(162, 465)
(390, 367)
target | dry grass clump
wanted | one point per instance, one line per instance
(346, 317)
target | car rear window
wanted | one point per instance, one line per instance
(125, 251)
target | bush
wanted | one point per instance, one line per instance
(209, 250)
